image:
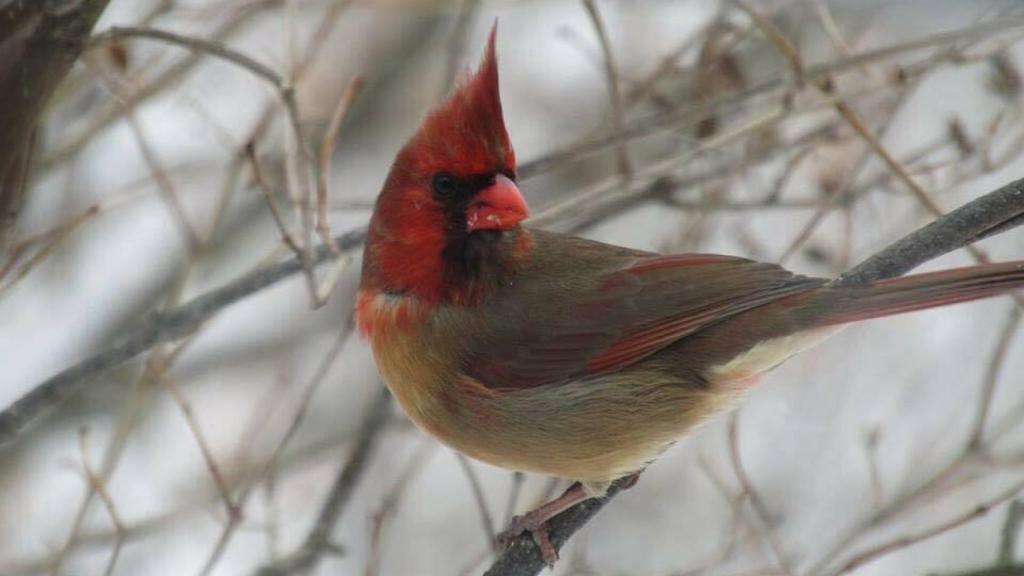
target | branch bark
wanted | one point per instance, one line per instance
(159, 328)
(39, 42)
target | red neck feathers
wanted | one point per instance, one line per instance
(446, 224)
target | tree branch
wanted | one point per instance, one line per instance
(159, 328)
(318, 541)
(523, 557)
(38, 45)
(955, 230)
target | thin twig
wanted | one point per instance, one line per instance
(782, 43)
(268, 196)
(318, 541)
(211, 47)
(164, 185)
(872, 438)
(727, 546)
(760, 510)
(611, 71)
(513, 496)
(671, 120)
(160, 374)
(323, 190)
(995, 366)
(97, 485)
(828, 22)
(286, 93)
(457, 41)
(1008, 539)
(901, 542)
(389, 504)
(274, 460)
(53, 239)
(107, 116)
(478, 495)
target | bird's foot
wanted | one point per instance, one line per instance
(536, 523)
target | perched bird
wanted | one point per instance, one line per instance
(548, 353)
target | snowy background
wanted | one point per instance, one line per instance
(828, 441)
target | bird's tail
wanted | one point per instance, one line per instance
(918, 292)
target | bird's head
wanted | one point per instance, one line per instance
(450, 208)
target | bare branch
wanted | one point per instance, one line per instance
(97, 485)
(160, 374)
(158, 328)
(995, 366)
(478, 495)
(318, 541)
(611, 71)
(760, 510)
(875, 552)
(39, 44)
(326, 153)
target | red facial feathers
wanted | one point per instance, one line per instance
(464, 137)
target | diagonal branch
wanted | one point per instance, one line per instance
(318, 542)
(156, 329)
(38, 45)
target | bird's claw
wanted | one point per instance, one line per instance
(538, 529)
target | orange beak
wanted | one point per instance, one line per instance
(497, 207)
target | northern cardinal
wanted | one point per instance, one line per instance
(548, 353)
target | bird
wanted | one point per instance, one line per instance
(543, 352)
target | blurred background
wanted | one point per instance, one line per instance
(749, 128)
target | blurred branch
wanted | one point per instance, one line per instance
(667, 121)
(318, 541)
(1011, 527)
(478, 495)
(611, 71)
(904, 541)
(323, 188)
(106, 116)
(286, 92)
(995, 366)
(756, 503)
(825, 85)
(954, 230)
(389, 504)
(38, 45)
(159, 328)
(467, 13)
(188, 413)
(97, 485)
(273, 462)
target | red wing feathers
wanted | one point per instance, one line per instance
(627, 315)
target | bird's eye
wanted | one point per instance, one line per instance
(443, 184)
